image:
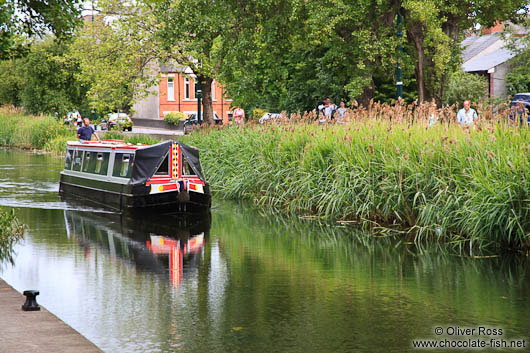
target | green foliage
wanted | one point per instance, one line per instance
(465, 86)
(28, 131)
(48, 79)
(116, 57)
(46, 129)
(257, 113)
(141, 139)
(113, 135)
(36, 18)
(134, 139)
(467, 187)
(173, 118)
(518, 76)
(10, 83)
(11, 231)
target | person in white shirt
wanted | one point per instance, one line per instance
(466, 115)
(341, 110)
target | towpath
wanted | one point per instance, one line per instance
(35, 331)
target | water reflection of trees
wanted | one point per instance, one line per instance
(154, 244)
(321, 288)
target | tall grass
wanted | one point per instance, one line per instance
(27, 131)
(384, 168)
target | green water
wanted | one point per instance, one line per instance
(247, 283)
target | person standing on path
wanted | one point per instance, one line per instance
(85, 132)
(239, 116)
(466, 116)
(341, 110)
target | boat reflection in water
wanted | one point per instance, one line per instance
(161, 245)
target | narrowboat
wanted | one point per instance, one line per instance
(162, 178)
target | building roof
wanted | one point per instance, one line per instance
(488, 61)
(474, 45)
(172, 66)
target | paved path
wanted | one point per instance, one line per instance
(154, 131)
(35, 331)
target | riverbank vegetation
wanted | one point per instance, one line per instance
(11, 231)
(384, 168)
(20, 130)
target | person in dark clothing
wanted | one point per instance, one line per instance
(85, 132)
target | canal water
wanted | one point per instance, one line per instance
(243, 281)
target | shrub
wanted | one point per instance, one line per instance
(462, 86)
(143, 139)
(174, 118)
(257, 113)
(113, 135)
(11, 230)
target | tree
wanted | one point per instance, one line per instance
(117, 54)
(47, 78)
(10, 83)
(36, 18)
(298, 52)
(518, 76)
(200, 34)
(435, 28)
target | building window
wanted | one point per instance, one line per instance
(170, 89)
(186, 88)
(213, 90)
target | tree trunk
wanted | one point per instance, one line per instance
(207, 101)
(416, 36)
(368, 94)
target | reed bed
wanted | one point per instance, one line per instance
(387, 168)
(28, 131)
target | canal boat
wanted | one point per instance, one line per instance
(163, 178)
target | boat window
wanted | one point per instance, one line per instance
(102, 163)
(89, 163)
(123, 165)
(164, 167)
(78, 160)
(68, 159)
(186, 168)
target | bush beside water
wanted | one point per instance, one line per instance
(11, 231)
(467, 187)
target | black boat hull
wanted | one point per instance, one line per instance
(133, 199)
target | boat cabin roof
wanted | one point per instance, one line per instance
(110, 144)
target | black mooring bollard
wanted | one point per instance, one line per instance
(31, 300)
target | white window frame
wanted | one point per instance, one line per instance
(171, 88)
(187, 88)
(213, 91)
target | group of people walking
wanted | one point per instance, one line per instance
(327, 110)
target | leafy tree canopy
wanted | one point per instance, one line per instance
(36, 18)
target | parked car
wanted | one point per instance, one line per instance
(269, 117)
(121, 120)
(523, 98)
(192, 120)
(73, 117)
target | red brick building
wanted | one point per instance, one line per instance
(177, 94)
